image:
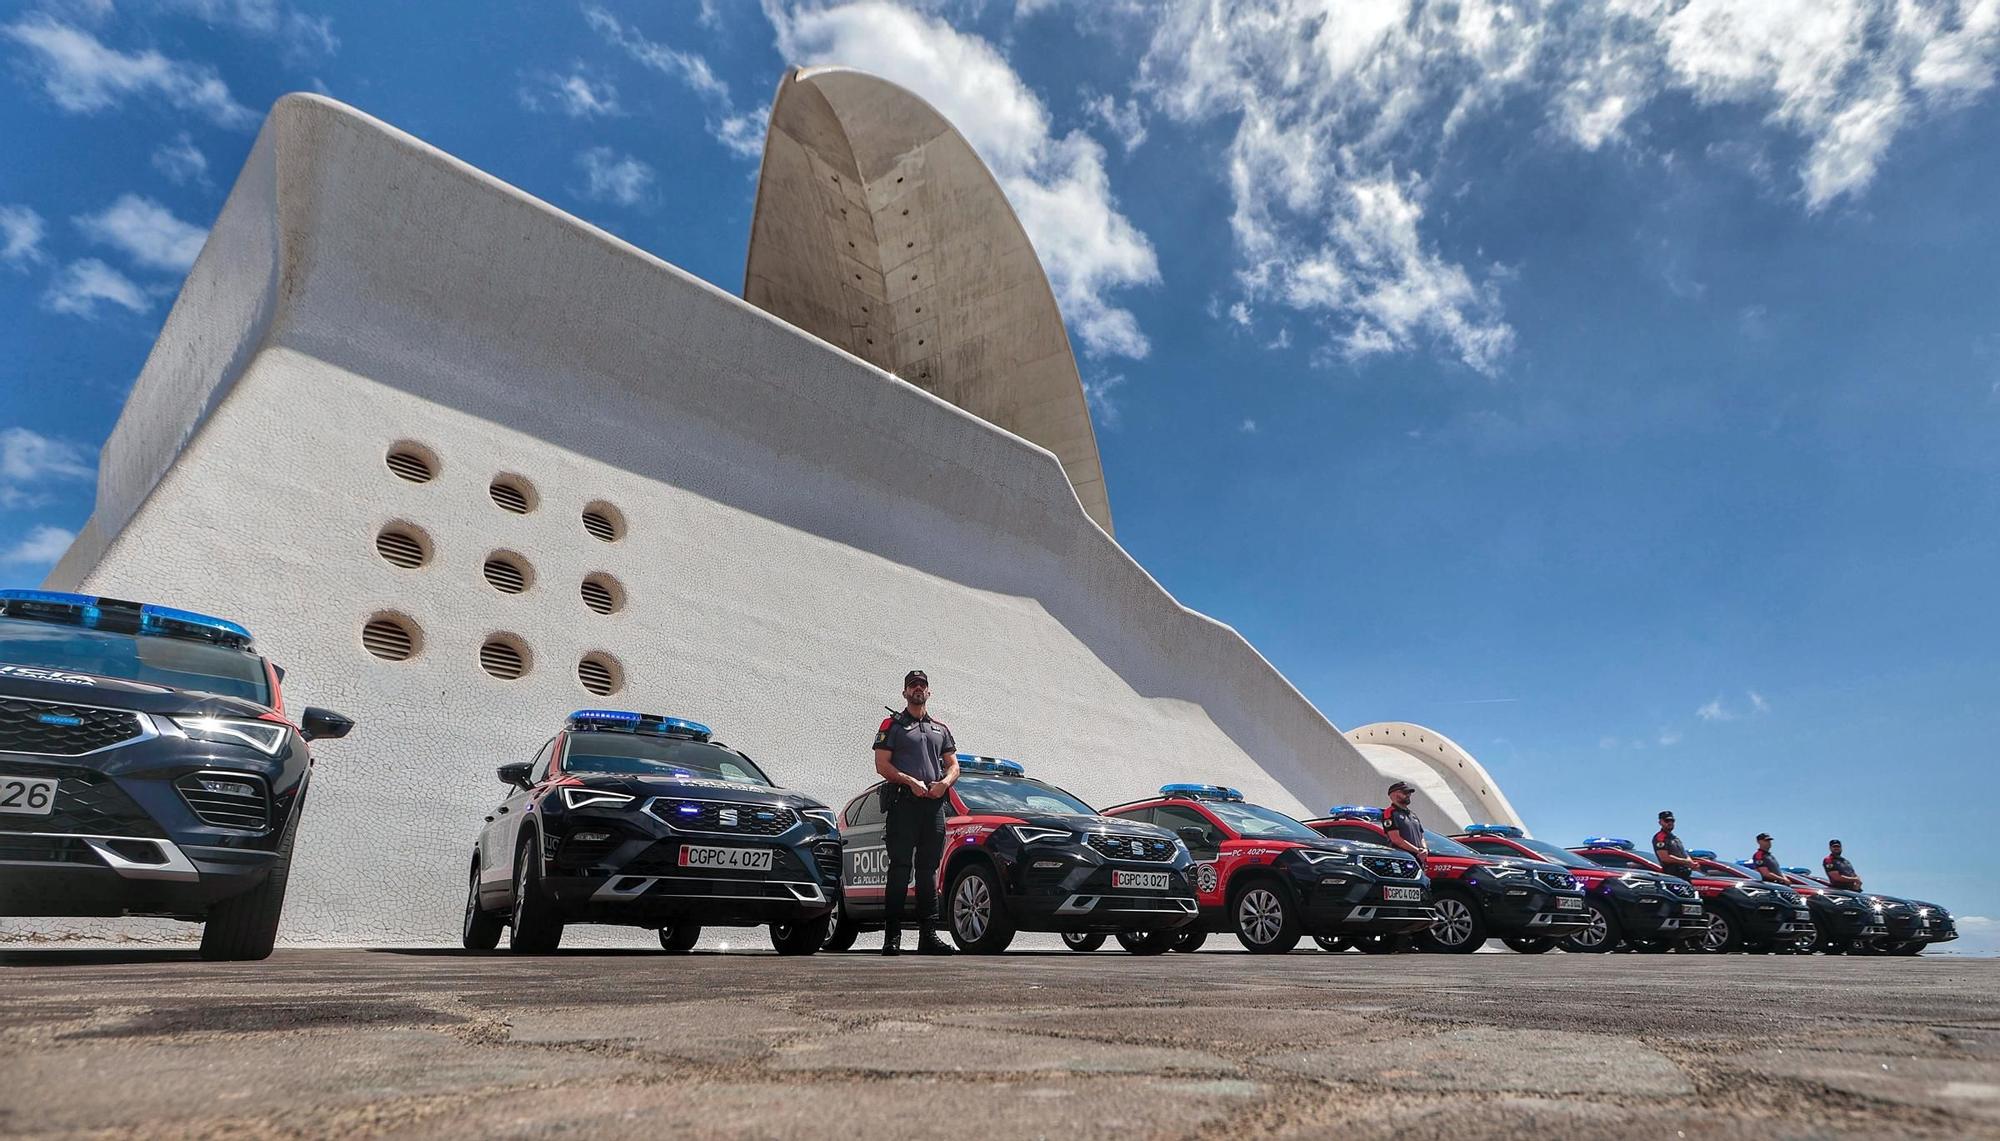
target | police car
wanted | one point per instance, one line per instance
(1271, 880)
(639, 820)
(1527, 904)
(147, 767)
(1747, 913)
(1021, 854)
(1908, 925)
(1845, 920)
(1648, 908)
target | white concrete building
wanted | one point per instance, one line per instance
(464, 463)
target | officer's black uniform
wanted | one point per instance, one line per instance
(1837, 866)
(1404, 823)
(1665, 840)
(914, 832)
(1763, 861)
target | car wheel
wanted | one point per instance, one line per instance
(1266, 921)
(842, 932)
(1721, 936)
(1083, 940)
(1147, 942)
(1384, 944)
(244, 928)
(680, 938)
(537, 930)
(1188, 940)
(1333, 943)
(979, 922)
(1528, 944)
(802, 938)
(1459, 928)
(1602, 935)
(482, 928)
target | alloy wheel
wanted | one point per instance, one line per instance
(1717, 934)
(971, 909)
(1595, 934)
(1454, 922)
(1259, 915)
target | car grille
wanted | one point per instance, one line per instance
(1680, 888)
(46, 850)
(1131, 847)
(88, 803)
(1390, 866)
(45, 728)
(1791, 899)
(728, 817)
(1557, 881)
(214, 798)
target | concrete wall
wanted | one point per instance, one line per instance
(800, 527)
(1446, 775)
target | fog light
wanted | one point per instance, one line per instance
(227, 787)
(1048, 863)
(589, 837)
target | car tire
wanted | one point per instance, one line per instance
(801, 938)
(1147, 942)
(1333, 944)
(979, 921)
(1650, 946)
(842, 933)
(1459, 930)
(244, 928)
(1265, 918)
(1722, 937)
(1188, 940)
(680, 938)
(536, 928)
(1083, 940)
(481, 929)
(1529, 944)
(1384, 944)
(1603, 934)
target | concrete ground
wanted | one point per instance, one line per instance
(1036, 1044)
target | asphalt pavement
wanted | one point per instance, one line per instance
(1038, 1044)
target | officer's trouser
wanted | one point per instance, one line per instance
(915, 838)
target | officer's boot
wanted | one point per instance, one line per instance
(892, 940)
(928, 942)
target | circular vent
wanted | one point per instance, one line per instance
(401, 547)
(513, 495)
(390, 637)
(503, 659)
(600, 674)
(604, 522)
(602, 593)
(412, 463)
(507, 574)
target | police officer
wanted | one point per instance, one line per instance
(1404, 829)
(1669, 852)
(1763, 862)
(917, 760)
(1839, 872)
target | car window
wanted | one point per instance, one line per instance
(1446, 846)
(865, 810)
(175, 662)
(1255, 822)
(540, 771)
(1491, 848)
(1615, 859)
(1173, 818)
(1012, 796)
(1142, 815)
(636, 754)
(1555, 855)
(1351, 832)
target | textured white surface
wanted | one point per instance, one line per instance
(801, 527)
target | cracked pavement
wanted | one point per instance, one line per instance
(1032, 1044)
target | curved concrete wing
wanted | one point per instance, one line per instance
(880, 231)
(1444, 773)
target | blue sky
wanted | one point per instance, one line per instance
(1615, 388)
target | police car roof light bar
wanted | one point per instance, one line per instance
(998, 766)
(1617, 842)
(1360, 810)
(118, 615)
(1703, 853)
(1799, 871)
(1494, 830)
(1201, 791)
(624, 719)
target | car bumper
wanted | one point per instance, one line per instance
(1357, 907)
(93, 875)
(636, 879)
(1668, 919)
(1776, 924)
(1533, 912)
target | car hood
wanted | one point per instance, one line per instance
(39, 684)
(697, 788)
(1110, 825)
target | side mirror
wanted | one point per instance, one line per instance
(515, 774)
(1197, 839)
(323, 724)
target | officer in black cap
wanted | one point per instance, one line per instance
(917, 760)
(1404, 829)
(1669, 851)
(1764, 862)
(1839, 869)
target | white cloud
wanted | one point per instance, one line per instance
(1715, 711)
(41, 546)
(575, 95)
(1125, 121)
(688, 67)
(1239, 313)
(1670, 737)
(81, 74)
(1248, 427)
(743, 134)
(27, 456)
(301, 35)
(614, 177)
(1097, 392)
(181, 161)
(147, 232)
(1758, 704)
(21, 231)
(81, 285)
(1057, 185)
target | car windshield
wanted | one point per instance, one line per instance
(1441, 845)
(1258, 822)
(1716, 869)
(174, 662)
(1017, 796)
(636, 754)
(1555, 855)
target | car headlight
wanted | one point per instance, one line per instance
(1635, 882)
(267, 737)
(1923, 912)
(1754, 892)
(1029, 834)
(1317, 858)
(823, 815)
(592, 797)
(1503, 872)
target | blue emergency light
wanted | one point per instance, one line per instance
(1746, 864)
(994, 766)
(1507, 830)
(1619, 843)
(1361, 811)
(614, 720)
(1201, 791)
(116, 614)
(1800, 871)
(1703, 853)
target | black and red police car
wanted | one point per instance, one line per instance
(1908, 925)
(639, 820)
(1844, 921)
(1621, 903)
(1747, 913)
(1527, 904)
(147, 767)
(1270, 879)
(1021, 854)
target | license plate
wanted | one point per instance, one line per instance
(731, 859)
(1402, 894)
(27, 796)
(1802, 916)
(1140, 881)
(1569, 903)
(1690, 909)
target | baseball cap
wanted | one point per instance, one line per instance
(1666, 814)
(916, 675)
(1402, 786)
(1763, 835)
